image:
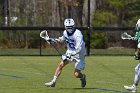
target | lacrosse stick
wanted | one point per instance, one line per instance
(51, 41)
(44, 35)
(126, 36)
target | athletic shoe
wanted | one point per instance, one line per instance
(136, 57)
(50, 84)
(83, 81)
(132, 88)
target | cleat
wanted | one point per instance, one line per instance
(83, 81)
(132, 88)
(50, 84)
(136, 57)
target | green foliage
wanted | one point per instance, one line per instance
(34, 39)
(131, 13)
(131, 22)
(98, 40)
(102, 18)
(113, 13)
(117, 4)
(3, 39)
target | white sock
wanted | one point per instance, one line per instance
(54, 78)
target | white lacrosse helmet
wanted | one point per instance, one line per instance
(69, 25)
(138, 25)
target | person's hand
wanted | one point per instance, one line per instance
(133, 38)
(52, 41)
(69, 55)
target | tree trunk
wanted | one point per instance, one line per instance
(55, 13)
(2, 12)
(85, 12)
(34, 13)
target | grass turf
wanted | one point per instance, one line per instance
(105, 74)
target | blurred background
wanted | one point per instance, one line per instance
(101, 21)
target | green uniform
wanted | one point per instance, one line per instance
(137, 35)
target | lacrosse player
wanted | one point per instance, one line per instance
(133, 87)
(75, 52)
(137, 37)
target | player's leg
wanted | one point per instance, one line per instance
(80, 65)
(133, 87)
(60, 67)
(137, 53)
(78, 74)
(137, 74)
(57, 73)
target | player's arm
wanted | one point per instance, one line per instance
(61, 39)
(44, 35)
(55, 40)
(136, 34)
(137, 30)
(78, 46)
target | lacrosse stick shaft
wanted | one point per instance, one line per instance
(56, 50)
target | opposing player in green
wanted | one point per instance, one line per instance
(133, 88)
(137, 37)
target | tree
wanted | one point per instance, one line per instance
(115, 13)
(2, 13)
(85, 12)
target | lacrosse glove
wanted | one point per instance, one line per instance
(52, 41)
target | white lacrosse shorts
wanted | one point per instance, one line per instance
(78, 59)
(80, 63)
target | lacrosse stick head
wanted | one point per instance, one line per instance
(44, 35)
(126, 36)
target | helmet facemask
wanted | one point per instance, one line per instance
(69, 28)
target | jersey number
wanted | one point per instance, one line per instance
(71, 45)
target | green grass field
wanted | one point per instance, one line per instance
(105, 74)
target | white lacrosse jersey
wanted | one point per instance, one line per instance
(74, 42)
(75, 45)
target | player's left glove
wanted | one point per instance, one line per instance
(52, 41)
(133, 38)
